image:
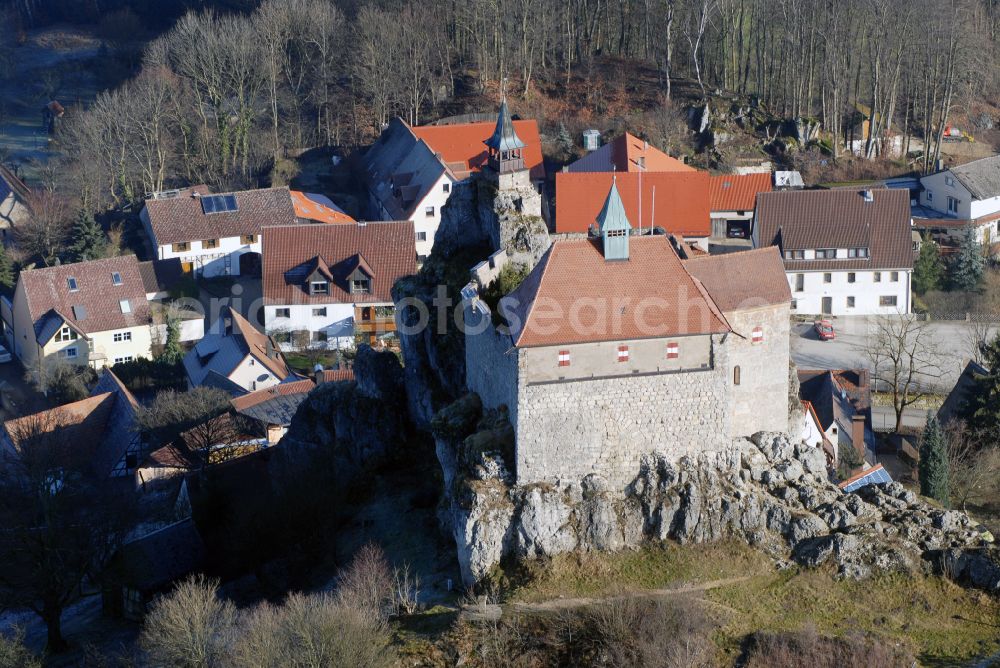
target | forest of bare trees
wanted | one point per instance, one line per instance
(222, 96)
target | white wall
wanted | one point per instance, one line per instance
(212, 261)
(422, 223)
(865, 290)
(338, 323)
(252, 375)
(811, 433)
(937, 190)
(191, 329)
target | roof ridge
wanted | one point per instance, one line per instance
(545, 267)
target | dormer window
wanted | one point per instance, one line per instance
(361, 285)
(71, 284)
(319, 288)
(66, 333)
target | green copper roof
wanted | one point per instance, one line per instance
(612, 216)
(504, 137)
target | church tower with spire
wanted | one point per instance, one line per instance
(505, 150)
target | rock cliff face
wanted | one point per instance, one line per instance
(766, 491)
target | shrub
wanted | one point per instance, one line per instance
(190, 627)
(807, 648)
(13, 653)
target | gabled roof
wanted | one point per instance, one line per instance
(836, 395)
(575, 269)
(274, 405)
(10, 184)
(156, 560)
(461, 145)
(955, 403)
(400, 169)
(811, 219)
(680, 206)
(312, 206)
(743, 280)
(980, 177)
(387, 250)
(228, 342)
(337, 375)
(183, 218)
(628, 153)
(50, 298)
(737, 192)
(102, 425)
(160, 275)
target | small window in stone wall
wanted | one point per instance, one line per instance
(563, 358)
(673, 351)
(757, 336)
(736, 375)
(623, 353)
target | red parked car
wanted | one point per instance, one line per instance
(824, 330)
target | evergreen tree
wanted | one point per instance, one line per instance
(934, 461)
(88, 238)
(565, 142)
(7, 277)
(981, 408)
(928, 271)
(172, 351)
(967, 269)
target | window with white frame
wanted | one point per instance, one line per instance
(319, 312)
(851, 277)
(68, 353)
(826, 253)
(66, 333)
(857, 252)
(428, 212)
(953, 205)
(887, 300)
(122, 360)
(878, 277)
(894, 276)
(122, 336)
(827, 278)
(125, 306)
(282, 313)
(421, 236)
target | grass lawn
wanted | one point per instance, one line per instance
(939, 621)
(306, 362)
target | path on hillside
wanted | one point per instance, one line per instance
(557, 604)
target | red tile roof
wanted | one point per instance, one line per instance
(681, 205)
(628, 153)
(181, 218)
(743, 280)
(311, 210)
(259, 345)
(337, 375)
(47, 291)
(281, 390)
(289, 252)
(737, 192)
(658, 296)
(461, 146)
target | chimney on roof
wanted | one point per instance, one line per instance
(645, 145)
(318, 374)
(868, 195)
(858, 434)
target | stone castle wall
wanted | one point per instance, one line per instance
(490, 361)
(760, 401)
(568, 430)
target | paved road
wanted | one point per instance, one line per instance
(952, 342)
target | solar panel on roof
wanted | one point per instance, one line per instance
(230, 202)
(218, 203)
(208, 204)
(877, 476)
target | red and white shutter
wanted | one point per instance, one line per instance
(673, 350)
(623, 353)
(757, 336)
(563, 358)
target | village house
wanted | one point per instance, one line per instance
(269, 412)
(732, 199)
(14, 201)
(101, 429)
(324, 285)
(93, 312)
(411, 171)
(846, 252)
(318, 208)
(628, 153)
(841, 400)
(613, 348)
(214, 234)
(235, 357)
(965, 198)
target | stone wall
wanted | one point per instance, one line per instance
(569, 430)
(490, 360)
(760, 401)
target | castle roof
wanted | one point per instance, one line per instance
(737, 192)
(743, 280)
(504, 137)
(612, 215)
(680, 205)
(574, 295)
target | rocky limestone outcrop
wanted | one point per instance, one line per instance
(765, 490)
(357, 421)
